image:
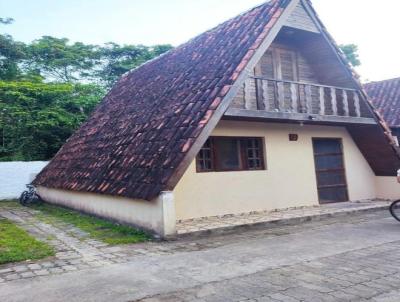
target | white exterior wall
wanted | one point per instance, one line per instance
(387, 188)
(157, 215)
(288, 181)
(15, 175)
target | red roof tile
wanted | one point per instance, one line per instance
(385, 95)
(136, 138)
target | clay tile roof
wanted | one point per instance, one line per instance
(385, 95)
(139, 134)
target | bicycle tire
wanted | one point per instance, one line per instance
(23, 199)
(395, 210)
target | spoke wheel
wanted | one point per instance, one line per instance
(24, 198)
(395, 210)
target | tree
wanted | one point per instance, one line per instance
(6, 20)
(116, 59)
(37, 118)
(57, 60)
(11, 54)
(351, 53)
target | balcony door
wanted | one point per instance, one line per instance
(330, 170)
(280, 64)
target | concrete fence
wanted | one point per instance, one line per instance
(15, 175)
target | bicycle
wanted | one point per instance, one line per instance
(395, 209)
(29, 196)
(395, 206)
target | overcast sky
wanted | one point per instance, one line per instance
(372, 25)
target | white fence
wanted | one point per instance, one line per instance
(15, 175)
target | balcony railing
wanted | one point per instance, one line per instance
(297, 97)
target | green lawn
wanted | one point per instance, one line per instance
(103, 230)
(17, 245)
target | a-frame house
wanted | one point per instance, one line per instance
(260, 113)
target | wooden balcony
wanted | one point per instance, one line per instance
(290, 100)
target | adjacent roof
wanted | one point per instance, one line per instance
(137, 137)
(385, 95)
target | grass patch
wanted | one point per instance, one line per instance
(17, 245)
(6, 203)
(100, 229)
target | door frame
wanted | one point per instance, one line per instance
(344, 167)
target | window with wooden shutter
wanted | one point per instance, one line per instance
(231, 154)
(267, 65)
(278, 63)
(287, 64)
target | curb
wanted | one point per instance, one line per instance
(279, 222)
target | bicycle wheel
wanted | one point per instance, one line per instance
(395, 209)
(24, 198)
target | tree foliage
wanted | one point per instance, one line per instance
(351, 53)
(115, 59)
(6, 20)
(50, 86)
(58, 60)
(37, 118)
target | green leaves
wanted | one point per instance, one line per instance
(37, 118)
(115, 59)
(58, 60)
(50, 86)
(351, 53)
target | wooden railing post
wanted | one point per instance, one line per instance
(345, 103)
(334, 101)
(321, 100)
(266, 100)
(247, 94)
(281, 96)
(259, 94)
(357, 104)
(308, 98)
(293, 97)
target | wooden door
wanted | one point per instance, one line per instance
(330, 170)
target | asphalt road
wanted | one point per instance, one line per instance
(341, 259)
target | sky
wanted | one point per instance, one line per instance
(372, 25)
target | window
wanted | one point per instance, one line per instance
(231, 154)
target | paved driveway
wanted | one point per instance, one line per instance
(341, 259)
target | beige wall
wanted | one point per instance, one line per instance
(157, 215)
(289, 180)
(387, 188)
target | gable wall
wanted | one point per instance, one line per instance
(299, 57)
(289, 180)
(292, 61)
(301, 20)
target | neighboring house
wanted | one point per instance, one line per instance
(385, 96)
(260, 113)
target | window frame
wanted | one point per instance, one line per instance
(242, 153)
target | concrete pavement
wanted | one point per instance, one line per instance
(233, 261)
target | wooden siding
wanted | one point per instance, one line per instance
(301, 20)
(300, 74)
(324, 63)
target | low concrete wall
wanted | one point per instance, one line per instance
(157, 216)
(15, 175)
(387, 187)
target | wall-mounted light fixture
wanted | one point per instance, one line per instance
(293, 137)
